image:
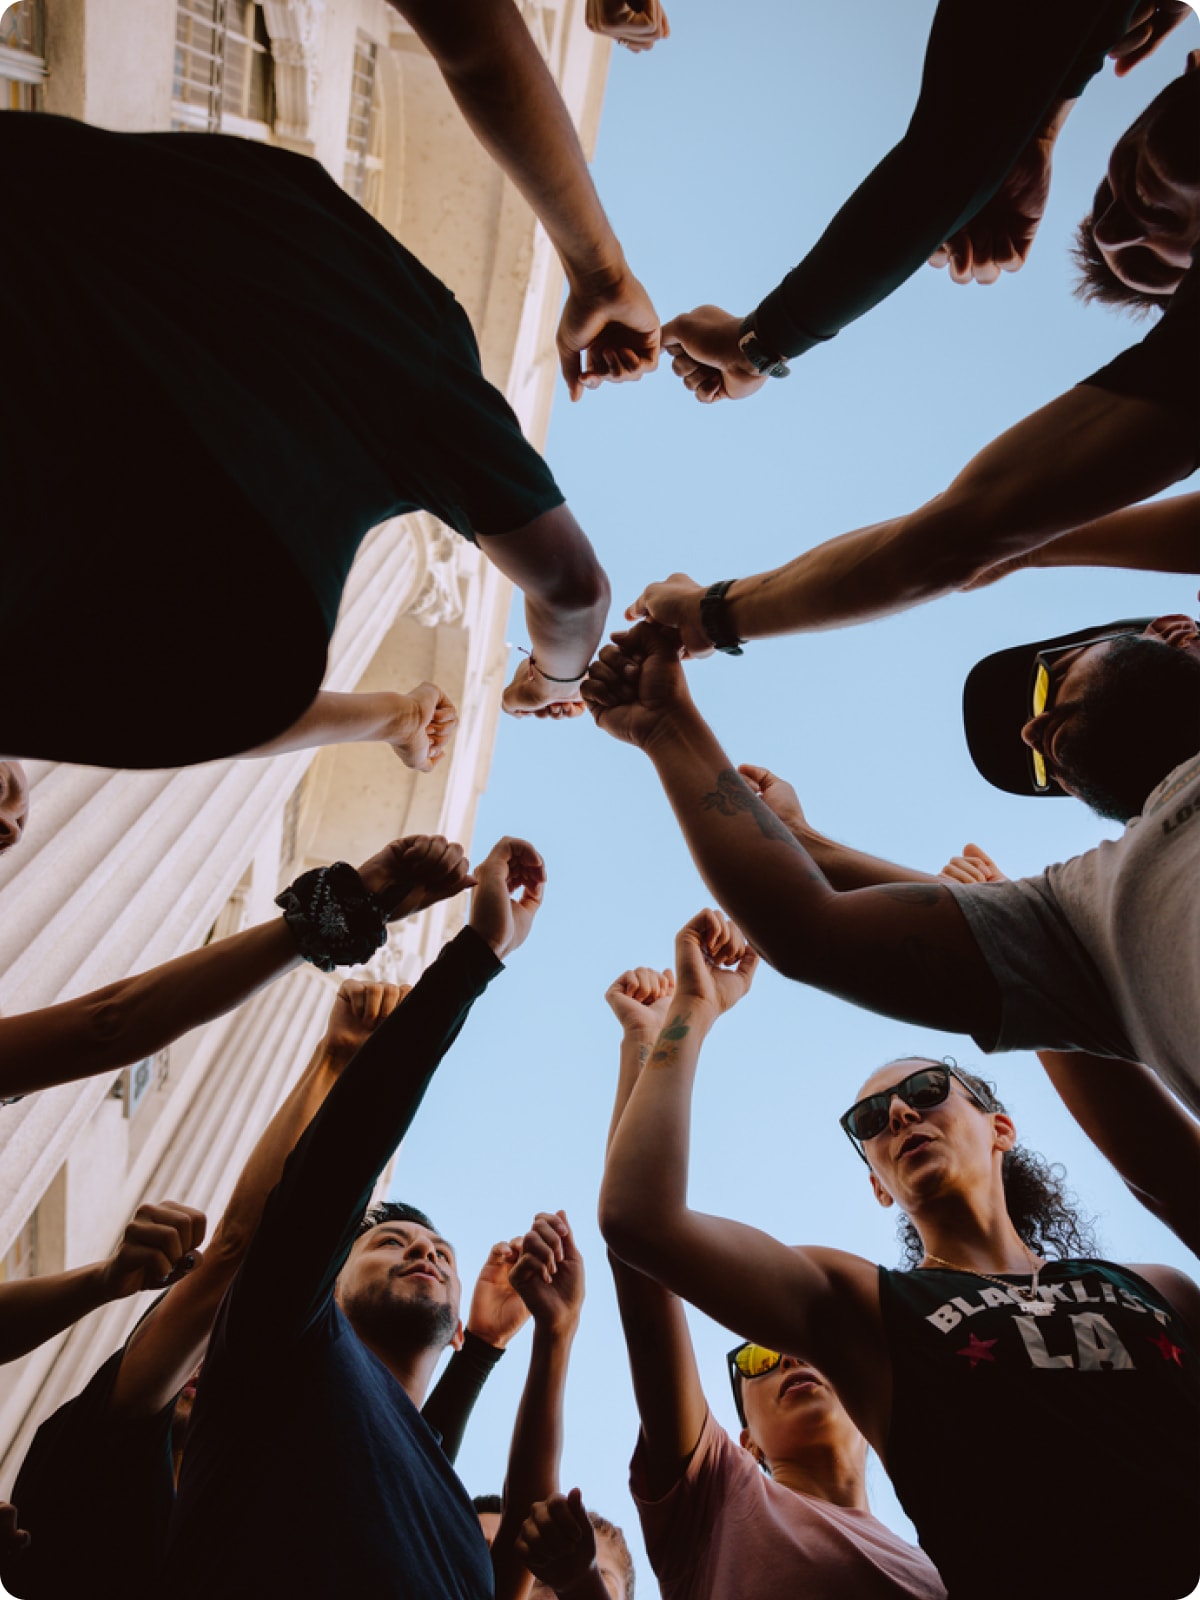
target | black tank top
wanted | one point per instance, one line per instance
(1056, 1454)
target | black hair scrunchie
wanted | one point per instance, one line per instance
(335, 919)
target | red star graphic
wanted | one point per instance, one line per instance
(1168, 1351)
(977, 1350)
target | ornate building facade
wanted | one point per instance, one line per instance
(120, 870)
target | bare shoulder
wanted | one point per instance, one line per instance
(1176, 1287)
(851, 1277)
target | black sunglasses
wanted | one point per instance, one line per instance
(920, 1090)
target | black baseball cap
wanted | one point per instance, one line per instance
(998, 702)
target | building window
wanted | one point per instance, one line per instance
(22, 56)
(224, 75)
(364, 136)
(135, 1082)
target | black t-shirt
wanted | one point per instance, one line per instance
(1059, 1454)
(1165, 366)
(230, 372)
(308, 1471)
(95, 1493)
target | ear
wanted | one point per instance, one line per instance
(1193, 61)
(881, 1193)
(1005, 1130)
(746, 1439)
(456, 1342)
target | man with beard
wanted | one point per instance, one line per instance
(1098, 954)
(100, 1474)
(309, 1469)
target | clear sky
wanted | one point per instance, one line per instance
(722, 155)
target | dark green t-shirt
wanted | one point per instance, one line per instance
(228, 373)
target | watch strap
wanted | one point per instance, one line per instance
(757, 354)
(716, 621)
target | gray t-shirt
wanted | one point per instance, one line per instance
(1102, 953)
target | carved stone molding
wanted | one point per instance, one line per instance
(295, 27)
(446, 566)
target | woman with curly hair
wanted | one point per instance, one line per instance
(1036, 1408)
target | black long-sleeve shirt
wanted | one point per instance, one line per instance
(993, 75)
(308, 1470)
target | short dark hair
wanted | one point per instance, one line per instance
(1098, 282)
(1039, 1205)
(392, 1211)
(617, 1539)
(1138, 721)
(489, 1502)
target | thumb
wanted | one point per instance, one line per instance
(568, 360)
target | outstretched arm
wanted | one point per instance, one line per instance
(662, 1362)
(1163, 536)
(157, 1245)
(903, 949)
(1152, 1140)
(548, 1275)
(132, 1018)
(566, 591)
(975, 156)
(842, 865)
(497, 1314)
(1087, 454)
(309, 1222)
(418, 725)
(821, 1304)
(165, 1347)
(492, 67)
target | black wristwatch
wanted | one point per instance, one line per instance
(756, 353)
(715, 620)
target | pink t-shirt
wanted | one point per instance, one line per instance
(725, 1531)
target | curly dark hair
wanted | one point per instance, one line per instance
(1042, 1210)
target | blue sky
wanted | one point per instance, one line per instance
(721, 156)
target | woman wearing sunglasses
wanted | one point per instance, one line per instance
(1055, 1399)
(785, 1512)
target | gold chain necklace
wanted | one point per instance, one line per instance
(1027, 1298)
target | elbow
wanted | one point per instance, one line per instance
(623, 1227)
(109, 1031)
(641, 1231)
(579, 589)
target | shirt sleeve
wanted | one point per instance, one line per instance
(993, 75)
(449, 1407)
(311, 1217)
(1052, 995)
(1165, 366)
(678, 1526)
